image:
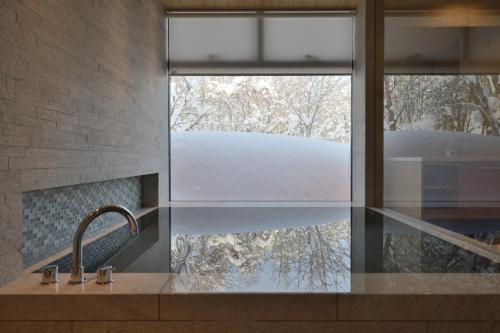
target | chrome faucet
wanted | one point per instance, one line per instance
(77, 272)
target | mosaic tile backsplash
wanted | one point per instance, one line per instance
(98, 251)
(50, 217)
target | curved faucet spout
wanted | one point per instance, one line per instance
(76, 263)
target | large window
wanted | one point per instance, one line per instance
(260, 107)
(442, 115)
(260, 137)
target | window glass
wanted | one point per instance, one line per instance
(442, 115)
(260, 138)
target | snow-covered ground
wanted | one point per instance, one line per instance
(231, 166)
(430, 144)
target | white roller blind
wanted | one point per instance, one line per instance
(260, 44)
(420, 44)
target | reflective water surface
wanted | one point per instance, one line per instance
(283, 257)
(293, 249)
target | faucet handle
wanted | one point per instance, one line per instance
(105, 274)
(50, 274)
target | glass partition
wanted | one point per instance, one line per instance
(442, 116)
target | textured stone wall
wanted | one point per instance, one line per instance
(83, 98)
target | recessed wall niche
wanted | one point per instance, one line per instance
(51, 216)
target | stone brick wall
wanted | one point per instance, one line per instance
(83, 98)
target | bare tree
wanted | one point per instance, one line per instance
(307, 106)
(307, 258)
(458, 103)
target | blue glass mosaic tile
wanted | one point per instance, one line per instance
(50, 217)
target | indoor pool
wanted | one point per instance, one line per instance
(282, 249)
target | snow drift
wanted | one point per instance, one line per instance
(430, 144)
(232, 166)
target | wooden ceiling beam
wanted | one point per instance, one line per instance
(440, 4)
(179, 5)
(220, 5)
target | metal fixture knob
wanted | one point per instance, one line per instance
(76, 259)
(50, 274)
(104, 274)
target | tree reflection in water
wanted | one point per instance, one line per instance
(310, 258)
(424, 253)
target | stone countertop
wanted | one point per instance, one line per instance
(124, 283)
(419, 303)
(361, 283)
(173, 283)
(172, 297)
(130, 297)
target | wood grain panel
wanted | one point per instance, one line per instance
(259, 4)
(439, 4)
(321, 4)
